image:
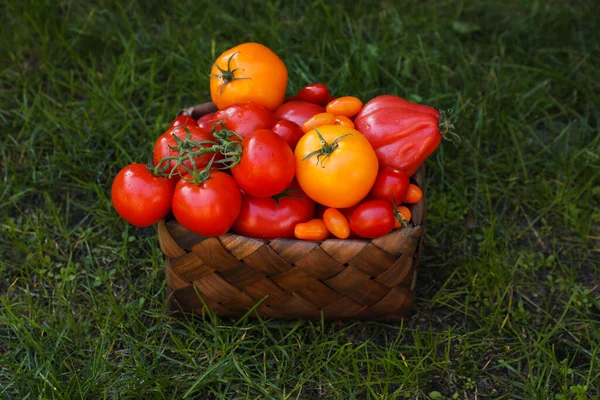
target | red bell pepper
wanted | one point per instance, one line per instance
(403, 134)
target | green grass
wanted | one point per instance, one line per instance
(508, 293)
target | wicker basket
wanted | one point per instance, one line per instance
(288, 278)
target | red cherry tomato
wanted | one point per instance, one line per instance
(140, 197)
(316, 93)
(245, 118)
(289, 131)
(208, 209)
(372, 219)
(162, 148)
(206, 121)
(274, 217)
(391, 183)
(267, 165)
(183, 120)
(298, 111)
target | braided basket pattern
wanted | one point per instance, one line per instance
(289, 278)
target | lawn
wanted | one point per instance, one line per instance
(508, 302)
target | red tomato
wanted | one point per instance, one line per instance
(274, 217)
(267, 165)
(183, 120)
(391, 183)
(206, 121)
(245, 118)
(162, 148)
(372, 219)
(288, 130)
(142, 199)
(297, 111)
(208, 209)
(316, 93)
(402, 133)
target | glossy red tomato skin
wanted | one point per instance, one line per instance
(162, 148)
(298, 111)
(372, 219)
(288, 130)
(208, 209)
(267, 165)
(245, 118)
(183, 120)
(267, 218)
(317, 93)
(403, 134)
(206, 121)
(390, 181)
(140, 197)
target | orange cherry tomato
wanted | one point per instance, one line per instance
(404, 213)
(335, 165)
(318, 120)
(348, 106)
(344, 121)
(336, 223)
(314, 230)
(248, 73)
(413, 195)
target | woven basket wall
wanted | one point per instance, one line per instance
(339, 279)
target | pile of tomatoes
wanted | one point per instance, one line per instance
(308, 166)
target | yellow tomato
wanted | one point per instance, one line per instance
(335, 165)
(246, 73)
